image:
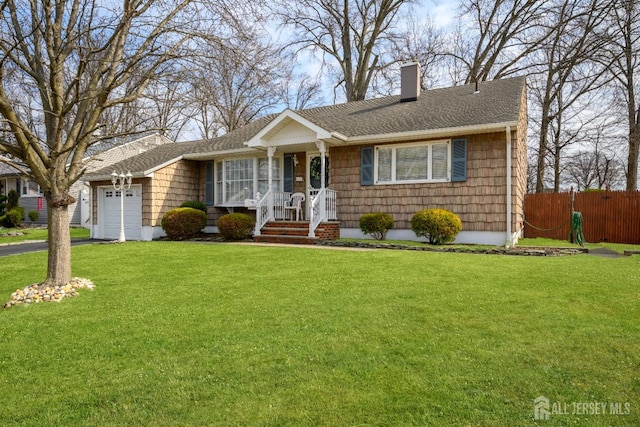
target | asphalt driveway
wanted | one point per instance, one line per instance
(40, 245)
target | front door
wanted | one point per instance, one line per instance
(314, 171)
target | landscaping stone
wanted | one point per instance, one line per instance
(522, 251)
(36, 294)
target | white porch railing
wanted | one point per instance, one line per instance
(317, 210)
(271, 206)
(323, 208)
(280, 200)
(264, 211)
(331, 202)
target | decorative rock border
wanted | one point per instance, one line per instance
(36, 294)
(522, 251)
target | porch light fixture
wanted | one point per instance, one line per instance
(121, 182)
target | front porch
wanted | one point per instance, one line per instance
(306, 196)
(276, 215)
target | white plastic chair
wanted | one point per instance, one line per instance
(295, 204)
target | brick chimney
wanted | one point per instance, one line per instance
(409, 81)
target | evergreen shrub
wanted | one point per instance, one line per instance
(439, 226)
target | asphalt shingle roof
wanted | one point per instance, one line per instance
(496, 102)
(108, 144)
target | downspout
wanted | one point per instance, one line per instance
(509, 241)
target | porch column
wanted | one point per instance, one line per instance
(321, 146)
(270, 152)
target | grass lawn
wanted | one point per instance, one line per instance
(220, 334)
(37, 234)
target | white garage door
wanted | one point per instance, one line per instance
(110, 213)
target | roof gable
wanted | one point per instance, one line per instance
(287, 129)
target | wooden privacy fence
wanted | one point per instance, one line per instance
(609, 216)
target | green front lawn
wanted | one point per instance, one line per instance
(37, 234)
(221, 334)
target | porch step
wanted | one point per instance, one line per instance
(291, 232)
(288, 224)
(286, 228)
(285, 231)
(272, 230)
(292, 240)
(297, 232)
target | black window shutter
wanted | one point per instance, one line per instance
(459, 160)
(366, 166)
(208, 185)
(288, 172)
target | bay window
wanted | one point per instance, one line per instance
(407, 163)
(240, 179)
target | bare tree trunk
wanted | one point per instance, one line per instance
(632, 162)
(623, 67)
(542, 150)
(556, 169)
(630, 57)
(59, 256)
(62, 65)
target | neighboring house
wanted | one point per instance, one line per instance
(31, 197)
(461, 148)
(100, 155)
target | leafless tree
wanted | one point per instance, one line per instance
(235, 84)
(353, 34)
(531, 171)
(624, 45)
(599, 163)
(165, 106)
(568, 73)
(492, 38)
(422, 40)
(67, 63)
(598, 167)
(299, 90)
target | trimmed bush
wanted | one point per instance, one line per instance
(376, 224)
(33, 215)
(195, 204)
(235, 226)
(13, 218)
(183, 223)
(439, 226)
